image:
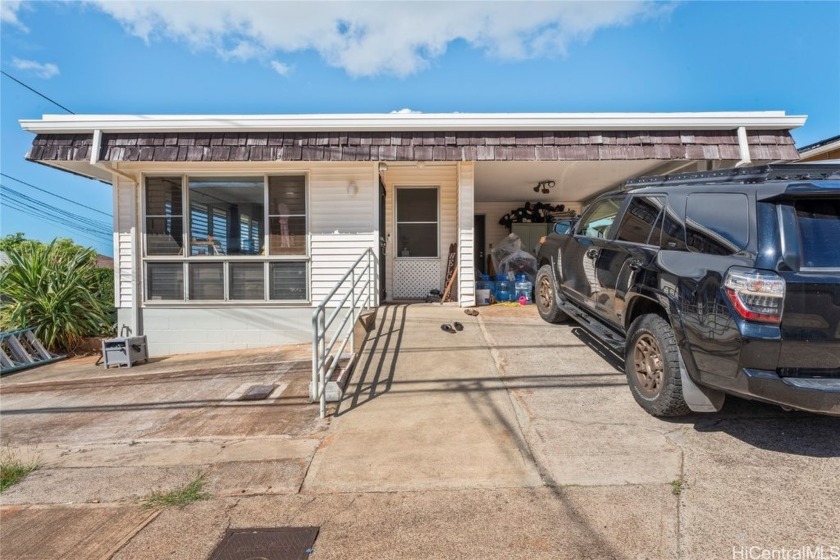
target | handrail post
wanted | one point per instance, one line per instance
(313, 387)
(353, 311)
(322, 385)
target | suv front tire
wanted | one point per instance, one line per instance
(545, 296)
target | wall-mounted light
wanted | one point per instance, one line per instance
(543, 186)
(383, 167)
(352, 188)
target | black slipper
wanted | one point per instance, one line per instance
(472, 312)
(447, 328)
(458, 326)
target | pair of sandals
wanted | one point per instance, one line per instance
(448, 328)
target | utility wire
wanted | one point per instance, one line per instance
(35, 91)
(26, 198)
(64, 214)
(39, 215)
(26, 204)
(53, 194)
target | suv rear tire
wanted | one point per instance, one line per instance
(652, 366)
(545, 295)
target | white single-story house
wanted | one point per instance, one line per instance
(228, 229)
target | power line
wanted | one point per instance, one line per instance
(64, 214)
(28, 205)
(35, 91)
(55, 195)
(38, 215)
(26, 198)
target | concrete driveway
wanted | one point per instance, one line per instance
(511, 439)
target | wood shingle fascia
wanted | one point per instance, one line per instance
(419, 146)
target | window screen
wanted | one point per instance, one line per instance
(213, 230)
(819, 232)
(287, 215)
(207, 281)
(165, 281)
(417, 222)
(226, 215)
(288, 281)
(717, 224)
(247, 281)
(639, 220)
(164, 216)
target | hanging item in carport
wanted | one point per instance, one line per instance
(538, 213)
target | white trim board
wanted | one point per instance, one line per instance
(79, 124)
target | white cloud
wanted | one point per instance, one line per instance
(370, 38)
(8, 13)
(44, 70)
(280, 68)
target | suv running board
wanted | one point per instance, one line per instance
(596, 328)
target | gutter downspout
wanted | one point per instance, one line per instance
(743, 147)
(135, 299)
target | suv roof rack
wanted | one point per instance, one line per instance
(756, 174)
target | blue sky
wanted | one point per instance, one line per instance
(191, 57)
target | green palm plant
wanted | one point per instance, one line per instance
(53, 289)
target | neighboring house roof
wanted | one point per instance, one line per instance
(104, 261)
(820, 148)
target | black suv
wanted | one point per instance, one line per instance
(709, 283)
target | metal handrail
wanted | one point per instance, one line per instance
(324, 360)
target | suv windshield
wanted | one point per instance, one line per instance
(819, 232)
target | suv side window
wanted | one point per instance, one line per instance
(717, 224)
(639, 219)
(599, 218)
(673, 233)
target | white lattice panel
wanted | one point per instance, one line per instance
(414, 278)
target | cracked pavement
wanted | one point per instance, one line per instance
(511, 439)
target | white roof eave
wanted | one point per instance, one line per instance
(79, 124)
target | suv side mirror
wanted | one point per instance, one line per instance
(564, 227)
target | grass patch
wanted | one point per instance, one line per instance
(187, 494)
(13, 469)
(678, 485)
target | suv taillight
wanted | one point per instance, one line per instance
(757, 295)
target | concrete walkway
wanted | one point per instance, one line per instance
(426, 409)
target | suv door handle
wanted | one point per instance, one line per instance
(592, 253)
(635, 264)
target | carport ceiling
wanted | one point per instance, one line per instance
(514, 181)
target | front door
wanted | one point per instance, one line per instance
(480, 243)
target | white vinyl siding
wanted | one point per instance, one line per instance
(466, 236)
(124, 242)
(332, 255)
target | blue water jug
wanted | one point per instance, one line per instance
(484, 289)
(504, 288)
(523, 289)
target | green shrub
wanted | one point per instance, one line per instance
(55, 288)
